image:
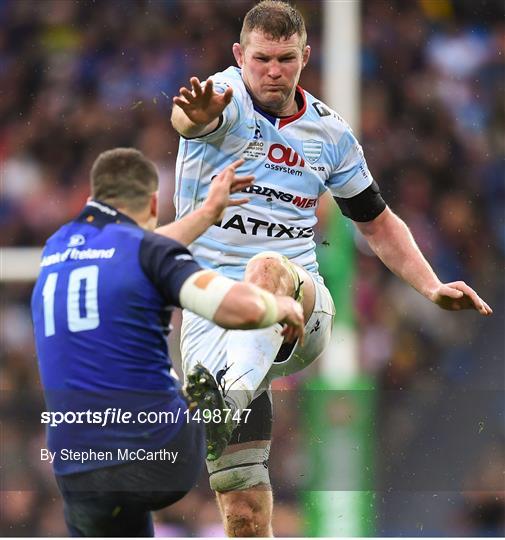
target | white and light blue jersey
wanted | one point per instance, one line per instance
(294, 159)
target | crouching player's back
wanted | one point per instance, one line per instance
(120, 436)
(101, 325)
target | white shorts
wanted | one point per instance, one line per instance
(205, 342)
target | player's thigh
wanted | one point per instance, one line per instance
(309, 291)
(244, 463)
(203, 342)
(292, 359)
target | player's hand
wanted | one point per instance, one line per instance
(222, 186)
(292, 320)
(202, 105)
(458, 295)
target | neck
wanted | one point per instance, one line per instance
(288, 109)
(142, 219)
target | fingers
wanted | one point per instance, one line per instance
(201, 94)
(228, 94)
(288, 332)
(294, 324)
(236, 164)
(185, 93)
(475, 300)
(452, 293)
(240, 182)
(196, 86)
(292, 333)
(235, 182)
(238, 202)
(182, 103)
(208, 88)
(470, 299)
(190, 95)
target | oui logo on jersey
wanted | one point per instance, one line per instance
(278, 153)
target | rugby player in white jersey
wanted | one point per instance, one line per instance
(297, 148)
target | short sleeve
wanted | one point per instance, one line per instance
(350, 175)
(167, 264)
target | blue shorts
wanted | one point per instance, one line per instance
(118, 500)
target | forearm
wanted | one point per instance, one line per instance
(230, 304)
(189, 228)
(185, 127)
(392, 241)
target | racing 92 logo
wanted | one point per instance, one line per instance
(279, 153)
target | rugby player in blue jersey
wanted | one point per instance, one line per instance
(298, 148)
(101, 312)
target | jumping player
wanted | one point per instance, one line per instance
(297, 147)
(101, 312)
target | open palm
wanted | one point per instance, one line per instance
(202, 105)
(458, 295)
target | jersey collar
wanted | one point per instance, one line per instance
(100, 214)
(281, 121)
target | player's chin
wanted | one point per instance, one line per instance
(273, 98)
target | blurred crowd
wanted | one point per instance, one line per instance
(77, 78)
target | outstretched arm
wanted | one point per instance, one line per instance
(190, 227)
(239, 305)
(197, 112)
(391, 240)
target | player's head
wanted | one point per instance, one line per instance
(125, 179)
(272, 53)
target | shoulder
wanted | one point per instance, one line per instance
(327, 118)
(231, 77)
(167, 264)
(161, 244)
(60, 234)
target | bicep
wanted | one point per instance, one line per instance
(364, 207)
(381, 225)
(167, 264)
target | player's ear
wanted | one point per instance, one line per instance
(152, 221)
(238, 53)
(306, 55)
(153, 207)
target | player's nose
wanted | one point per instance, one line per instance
(274, 71)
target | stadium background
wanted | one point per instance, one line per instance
(77, 78)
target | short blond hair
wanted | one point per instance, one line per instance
(124, 177)
(276, 19)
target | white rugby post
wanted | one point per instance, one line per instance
(340, 401)
(18, 264)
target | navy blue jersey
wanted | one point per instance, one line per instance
(101, 310)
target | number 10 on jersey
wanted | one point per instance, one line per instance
(77, 319)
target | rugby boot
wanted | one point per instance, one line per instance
(202, 392)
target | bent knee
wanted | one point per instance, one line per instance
(268, 271)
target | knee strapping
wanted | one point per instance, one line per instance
(242, 469)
